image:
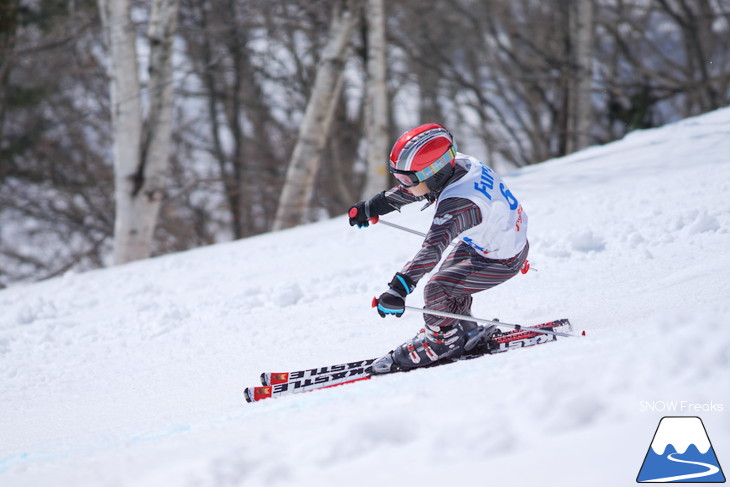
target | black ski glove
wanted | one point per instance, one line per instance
(392, 301)
(366, 212)
(359, 214)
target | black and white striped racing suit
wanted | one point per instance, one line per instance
(469, 267)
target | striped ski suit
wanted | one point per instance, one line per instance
(464, 271)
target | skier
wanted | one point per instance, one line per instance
(472, 203)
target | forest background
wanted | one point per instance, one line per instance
(134, 128)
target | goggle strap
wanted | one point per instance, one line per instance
(437, 165)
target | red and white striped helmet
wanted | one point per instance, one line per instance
(422, 152)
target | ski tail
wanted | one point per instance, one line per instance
(274, 378)
(255, 394)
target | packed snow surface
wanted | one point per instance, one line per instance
(133, 376)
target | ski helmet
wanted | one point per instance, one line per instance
(425, 153)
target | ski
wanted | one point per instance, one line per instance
(253, 394)
(277, 384)
(310, 376)
(283, 383)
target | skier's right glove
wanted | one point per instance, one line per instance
(393, 301)
(359, 214)
(366, 212)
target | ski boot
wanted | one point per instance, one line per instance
(477, 337)
(429, 347)
(426, 348)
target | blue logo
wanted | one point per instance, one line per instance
(486, 184)
(680, 452)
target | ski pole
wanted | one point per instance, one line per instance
(446, 314)
(399, 227)
(376, 219)
(488, 322)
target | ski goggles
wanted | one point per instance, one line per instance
(405, 179)
(408, 179)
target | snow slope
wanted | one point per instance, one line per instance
(133, 376)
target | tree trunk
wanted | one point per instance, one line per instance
(376, 108)
(140, 151)
(301, 173)
(8, 26)
(580, 111)
(126, 113)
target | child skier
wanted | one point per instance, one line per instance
(472, 203)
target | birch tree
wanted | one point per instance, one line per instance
(302, 171)
(376, 107)
(141, 145)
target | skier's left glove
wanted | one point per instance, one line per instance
(392, 301)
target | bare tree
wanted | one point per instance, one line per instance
(580, 112)
(660, 61)
(237, 129)
(508, 69)
(301, 174)
(55, 210)
(376, 101)
(141, 145)
(8, 26)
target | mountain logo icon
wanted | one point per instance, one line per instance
(681, 452)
